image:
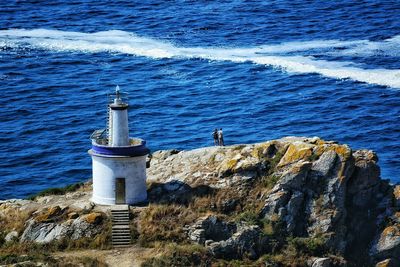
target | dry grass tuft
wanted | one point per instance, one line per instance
(164, 223)
(12, 218)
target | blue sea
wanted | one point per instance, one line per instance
(260, 70)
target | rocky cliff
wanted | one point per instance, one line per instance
(288, 202)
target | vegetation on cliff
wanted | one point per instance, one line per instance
(288, 202)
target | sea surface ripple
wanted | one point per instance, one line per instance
(259, 69)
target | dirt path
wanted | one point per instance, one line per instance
(129, 257)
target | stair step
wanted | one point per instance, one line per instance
(121, 231)
(120, 207)
(121, 223)
(125, 241)
(121, 234)
(122, 238)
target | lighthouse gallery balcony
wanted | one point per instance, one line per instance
(137, 147)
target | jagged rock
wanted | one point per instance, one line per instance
(247, 241)
(388, 263)
(322, 262)
(388, 243)
(308, 186)
(295, 177)
(93, 218)
(319, 183)
(84, 204)
(49, 214)
(73, 215)
(226, 239)
(296, 151)
(324, 165)
(365, 182)
(396, 193)
(44, 232)
(210, 228)
(13, 235)
(274, 202)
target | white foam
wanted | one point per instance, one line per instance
(271, 55)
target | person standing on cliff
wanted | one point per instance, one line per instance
(215, 136)
(220, 137)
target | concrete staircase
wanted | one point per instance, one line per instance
(121, 233)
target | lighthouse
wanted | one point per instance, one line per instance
(119, 161)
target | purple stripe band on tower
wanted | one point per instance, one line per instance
(129, 151)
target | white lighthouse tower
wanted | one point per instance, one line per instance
(119, 162)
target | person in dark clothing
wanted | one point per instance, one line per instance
(215, 136)
(220, 137)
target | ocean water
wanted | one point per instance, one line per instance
(259, 69)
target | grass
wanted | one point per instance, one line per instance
(14, 252)
(100, 241)
(56, 191)
(273, 162)
(13, 219)
(14, 259)
(48, 260)
(270, 181)
(313, 157)
(313, 246)
(250, 217)
(164, 223)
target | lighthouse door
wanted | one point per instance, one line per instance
(120, 191)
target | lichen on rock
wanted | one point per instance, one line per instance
(289, 201)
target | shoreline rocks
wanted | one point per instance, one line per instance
(246, 197)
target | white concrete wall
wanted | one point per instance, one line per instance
(120, 130)
(107, 169)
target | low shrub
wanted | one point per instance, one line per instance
(249, 217)
(313, 246)
(56, 191)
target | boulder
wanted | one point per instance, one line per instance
(226, 239)
(45, 232)
(387, 243)
(49, 214)
(322, 262)
(246, 241)
(210, 228)
(11, 236)
(396, 194)
(388, 263)
(325, 164)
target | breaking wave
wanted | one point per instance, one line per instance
(288, 57)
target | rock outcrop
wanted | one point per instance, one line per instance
(318, 202)
(50, 218)
(312, 187)
(50, 226)
(227, 239)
